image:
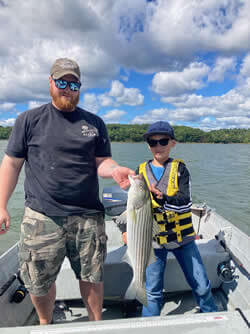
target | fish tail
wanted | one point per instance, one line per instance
(136, 292)
(131, 291)
(141, 296)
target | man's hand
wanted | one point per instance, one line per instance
(156, 192)
(107, 167)
(120, 175)
(4, 221)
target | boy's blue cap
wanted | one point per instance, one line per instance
(160, 127)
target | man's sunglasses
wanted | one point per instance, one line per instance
(62, 84)
(162, 142)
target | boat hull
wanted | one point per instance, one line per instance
(219, 241)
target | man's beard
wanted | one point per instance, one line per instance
(63, 103)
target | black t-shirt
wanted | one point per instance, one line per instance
(60, 167)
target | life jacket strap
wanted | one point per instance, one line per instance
(170, 216)
(165, 237)
(172, 221)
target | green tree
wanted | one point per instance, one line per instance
(184, 134)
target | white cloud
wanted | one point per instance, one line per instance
(194, 107)
(93, 102)
(167, 34)
(245, 68)
(90, 103)
(114, 116)
(117, 89)
(222, 66)
(34, 104)
(177, 83)
(118, 95)
(174, 89)
(7, 106)
(7, 122)
(152, 116)
(102, 37)
(234, 122)
(105, 100)
(129, 96)
(165, 39)
(185, 100)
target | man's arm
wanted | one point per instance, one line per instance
(108, 168)
(9, 173)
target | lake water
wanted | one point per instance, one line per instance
(220, 177)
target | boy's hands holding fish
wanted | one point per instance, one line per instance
(156, 192)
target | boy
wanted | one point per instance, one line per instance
(170, 188)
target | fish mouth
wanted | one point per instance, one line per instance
(135, 177)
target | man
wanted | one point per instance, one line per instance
(64, 149)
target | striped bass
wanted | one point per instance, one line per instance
(139, 236)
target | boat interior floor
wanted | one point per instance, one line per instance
(74, 311)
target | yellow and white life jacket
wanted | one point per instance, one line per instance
(173, 226)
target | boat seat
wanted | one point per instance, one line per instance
(212, 254)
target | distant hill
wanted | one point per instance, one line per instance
(184, 134)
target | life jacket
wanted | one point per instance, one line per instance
(173, 226)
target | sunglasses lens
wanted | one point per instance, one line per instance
(152, 142)
(162, 142)
(62, 84)
(74, 85)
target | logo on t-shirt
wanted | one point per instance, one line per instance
(89, 132)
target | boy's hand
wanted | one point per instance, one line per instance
(158, 194)
(124, 237)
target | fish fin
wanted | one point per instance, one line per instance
(136, 292)
(121, 220)
(131, 291)
(141, 296)
(124, 214)
(133, 215)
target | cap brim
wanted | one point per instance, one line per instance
(61, 74)
(147, 135)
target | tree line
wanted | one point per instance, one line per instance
(5, 132)
(184, 134)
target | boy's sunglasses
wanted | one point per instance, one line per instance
(62, 84)
(162, 142)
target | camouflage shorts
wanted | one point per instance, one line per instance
(45, 241)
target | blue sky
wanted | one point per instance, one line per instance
(187, 62)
